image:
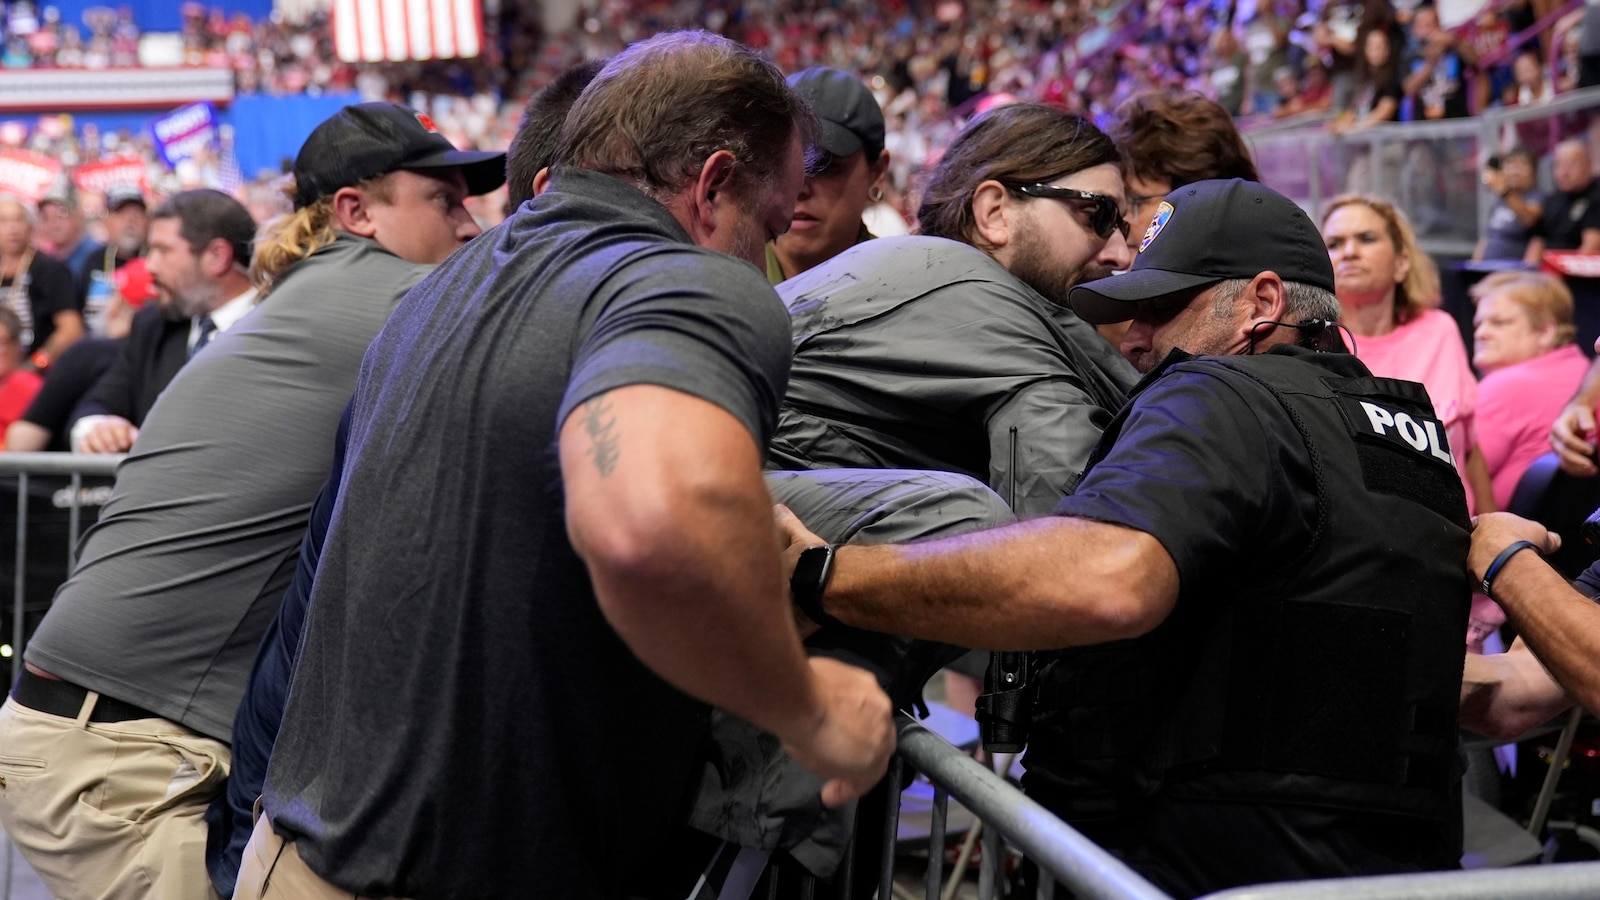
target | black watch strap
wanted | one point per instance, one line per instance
(810, 580)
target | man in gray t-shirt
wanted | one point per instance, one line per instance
(132, 680)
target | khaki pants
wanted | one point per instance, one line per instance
(272, 867)
(109, 811)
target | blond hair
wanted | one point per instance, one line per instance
(1545, 297)
(1419, 291)
(291, 238)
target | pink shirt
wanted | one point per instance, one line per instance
(1516, 407)
(1428, 349)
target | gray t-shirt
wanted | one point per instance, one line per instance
(189, 560)
(925, 353)
(463, 721)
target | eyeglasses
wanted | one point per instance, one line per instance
(1103, 219)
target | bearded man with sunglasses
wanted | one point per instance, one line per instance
(954, 349)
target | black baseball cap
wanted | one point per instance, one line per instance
(851, 118)
(120, 195)
(371, 139)
(1207, 232)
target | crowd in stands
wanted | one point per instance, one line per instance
(928, 63)
(1166, 79)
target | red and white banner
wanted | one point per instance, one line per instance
(99, 177)
(396, 30)
(27, 174)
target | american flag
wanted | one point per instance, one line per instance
(395, 30)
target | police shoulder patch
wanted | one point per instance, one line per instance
(1163, 214)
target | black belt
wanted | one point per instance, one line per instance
(63, 698)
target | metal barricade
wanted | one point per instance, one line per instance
(1066, 857)
(23, 465)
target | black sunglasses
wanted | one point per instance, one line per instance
(1103, 219)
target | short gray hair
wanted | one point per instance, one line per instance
(1304, 302)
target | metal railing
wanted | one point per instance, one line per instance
(1431, 169)
(1067, 857)
(22, 465)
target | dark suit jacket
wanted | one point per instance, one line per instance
(154, 352)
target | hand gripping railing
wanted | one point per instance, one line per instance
(23, 465)
(1060, 852)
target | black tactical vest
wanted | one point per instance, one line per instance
(1331, 677)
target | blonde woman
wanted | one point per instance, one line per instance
(1389, 294)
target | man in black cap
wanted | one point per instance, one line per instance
(827, 215)
(1268, 542)
(132, 681)
(127, 224)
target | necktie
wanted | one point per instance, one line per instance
(208, 330)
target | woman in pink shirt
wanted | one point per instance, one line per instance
(1523, 345)
(1389, 292)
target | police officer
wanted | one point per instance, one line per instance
(1275, 541)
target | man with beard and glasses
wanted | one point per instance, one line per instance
(199, 254)
(954, 349)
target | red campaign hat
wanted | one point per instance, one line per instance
(135, 284)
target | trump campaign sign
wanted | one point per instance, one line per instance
(27, 174)
(185, 132)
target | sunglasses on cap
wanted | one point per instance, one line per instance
(1104, 218)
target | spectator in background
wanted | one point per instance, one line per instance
(1517, 210)
(1532, 82)
(1389, 293)
(1434, 68)
(199, 261)
(1266, 41)
(1570, 219)
(1315, 94)
(1378, 90)
(827, 216)
(61, 227)
(1228, 66)
(127, 223)
(535, 141)
(35, 287)
(1338, 28)
(44, 426)
(1523, 346)
(18, 385)
(1169, 139)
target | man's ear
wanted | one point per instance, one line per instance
(216, 258)
(714, 185)
(709, 192)
(541, 180)
(992, 216)
(1268, 300)
(352, 212)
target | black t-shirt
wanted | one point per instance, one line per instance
(463, 721)
(45, 290)
(73, 373)
(1566, 216)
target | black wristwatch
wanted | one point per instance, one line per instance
(810, 579)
